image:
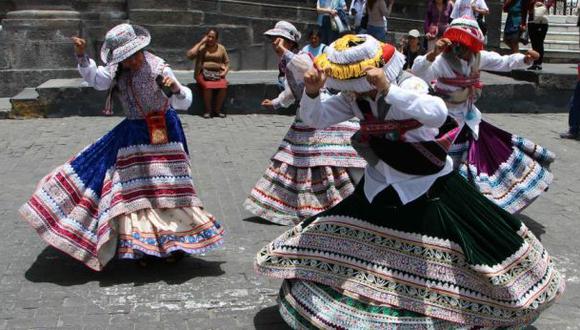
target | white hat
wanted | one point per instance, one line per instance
(414, 33)
(122, 41)
(345, 60)
(285, 30)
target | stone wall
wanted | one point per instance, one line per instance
(35, 40)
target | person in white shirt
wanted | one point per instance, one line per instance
(469, 8)
(129, 195)
(415, 243)
(508, 169)
(357, 11)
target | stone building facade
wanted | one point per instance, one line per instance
(35, 37)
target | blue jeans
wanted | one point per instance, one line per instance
(574, 117)
(378, 32)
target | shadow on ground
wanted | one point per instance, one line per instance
(53, 266)
(537, 228)
(269, 319)
(260, 221)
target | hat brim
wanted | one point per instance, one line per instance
(128, 49)
(279, 33)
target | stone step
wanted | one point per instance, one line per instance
(26, 104)
(166, 16)
(553, 19)
(156, 4)
(563, 36)
(563, 28)
(5, 107)
(549, 92)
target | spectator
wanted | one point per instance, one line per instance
(357, 11)
(538, 28)
(378, 12)
(515, 24)
(212, 64)
(469, 8)
(327, 10)
(436, 20)
(574, 117)
(412, 48)
(315, 47)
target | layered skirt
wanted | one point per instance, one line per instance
(509, 170)
(312, 171)
(125, 197)
(449, 259)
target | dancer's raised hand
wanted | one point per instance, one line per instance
(314, 80)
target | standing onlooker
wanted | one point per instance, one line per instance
(412, 48)
(378, 12)
(574, 117)
(538, 28)
(315, 47)
(357, 11)
(436, 20)
(327, 10)
(515, 24)
(469, 8)
(212, 64)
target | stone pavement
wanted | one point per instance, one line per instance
(42, 288)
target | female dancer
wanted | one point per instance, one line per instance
(313, 169)
(415, 246)
(510, 170)
(130, 194)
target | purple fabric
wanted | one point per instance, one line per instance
(434, 16)
(493, 148)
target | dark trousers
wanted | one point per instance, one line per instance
(537, 34)
(327, 36)
(574, 118)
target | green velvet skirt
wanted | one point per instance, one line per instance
(451, 256)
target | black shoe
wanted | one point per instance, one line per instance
(534, 68)
(571, 136)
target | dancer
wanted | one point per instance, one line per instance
(313, 169)
(415, 246)
(510, 170)
(130, 194)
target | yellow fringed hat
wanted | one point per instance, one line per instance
(345, 60)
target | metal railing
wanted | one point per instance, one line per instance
(563, 7)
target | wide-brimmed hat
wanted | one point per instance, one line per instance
(465, 31)
(346, 58)
(122, 41)
(285, 30)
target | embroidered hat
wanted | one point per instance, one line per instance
(465, 31)
(122, 41)
(346, 58)
(285, 30)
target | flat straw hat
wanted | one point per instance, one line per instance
(122, 41)
(346, 58)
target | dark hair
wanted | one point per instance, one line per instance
(314, 32)
(214, 30)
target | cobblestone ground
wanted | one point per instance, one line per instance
(42, 288)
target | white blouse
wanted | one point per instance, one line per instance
(100, 78)
(409, 101)
(439, 68)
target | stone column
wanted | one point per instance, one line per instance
(35, 43)
(493, 21)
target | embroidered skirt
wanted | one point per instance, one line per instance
(122, 195)
(509, 170)
(310, 173)
(449, 257)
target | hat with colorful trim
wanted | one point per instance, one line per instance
(346, 59)
(122, 41)
(465, 31)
